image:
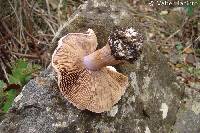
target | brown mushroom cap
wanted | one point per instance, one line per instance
(96, 91)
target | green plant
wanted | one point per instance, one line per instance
(193, 71)
(10, 95)
(179, 47)
(2, 84)
(197, 51)
(191, 7)
(21, 73)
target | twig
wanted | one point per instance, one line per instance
(59, 11)
(50, 20)
(50, 26)
(149, 17)
(69, 11)
(48, 8)
(9, 32)
(197, 38)
(172, 35)
(14, 10)
(21, 37)
(24, 55)
(145, 16)
(19, 19)
(32, 37)
(4, 70)
(49, 35)
(40, 12)
(4, 38)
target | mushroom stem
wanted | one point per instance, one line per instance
(100, 58)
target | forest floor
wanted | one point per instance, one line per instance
(28, 27)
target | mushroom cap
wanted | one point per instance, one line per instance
(126, 44)
(96, 91)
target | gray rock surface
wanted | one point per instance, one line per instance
(188, 118)
(149, 105)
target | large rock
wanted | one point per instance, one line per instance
(188, 116)
(149, 105)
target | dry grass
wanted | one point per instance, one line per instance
(27, 28)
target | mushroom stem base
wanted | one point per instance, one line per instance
(100, 58)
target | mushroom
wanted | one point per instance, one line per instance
(123, 45)
(83, 77)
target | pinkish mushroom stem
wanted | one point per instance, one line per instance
(123, 45)
(100, 58)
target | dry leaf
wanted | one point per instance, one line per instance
(188, 50)
(179, 65)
